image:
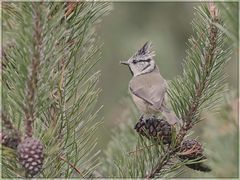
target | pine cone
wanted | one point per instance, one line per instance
(156, 129)
(30, 153)
(10, 140)
(192, 149)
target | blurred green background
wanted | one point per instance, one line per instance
(125, 30)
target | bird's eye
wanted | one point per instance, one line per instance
(134, 61)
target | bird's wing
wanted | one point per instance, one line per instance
(150, 87)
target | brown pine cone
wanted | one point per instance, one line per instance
(156, 129)
(192, 149)
(30, 153)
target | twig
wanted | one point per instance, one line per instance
(206, 67)
(72, 166)
(70, 8)
(32, 80)
(160, 164)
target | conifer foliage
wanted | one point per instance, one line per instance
(49, 88)
(49, 114)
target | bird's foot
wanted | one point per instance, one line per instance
(141, 118)
(154, 117)
(147, 117)
(140, 123)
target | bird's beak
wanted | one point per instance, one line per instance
(124, 62)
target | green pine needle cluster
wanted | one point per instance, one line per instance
(219, 132)
(203, 80)
(63, 94)
(231, 17)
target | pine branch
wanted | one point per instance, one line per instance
(160, 164)
(32, 81)
(207, 66)
(60, 99)
(202, 76)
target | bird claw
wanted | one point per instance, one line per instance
(143, 119)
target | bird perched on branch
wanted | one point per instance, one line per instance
(147, 87)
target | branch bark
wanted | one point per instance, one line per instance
(206, 70)
(32, 80)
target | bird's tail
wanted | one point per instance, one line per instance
(171, 116)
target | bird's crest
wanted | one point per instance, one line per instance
(145, 52)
